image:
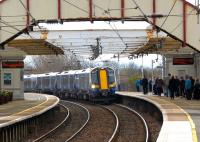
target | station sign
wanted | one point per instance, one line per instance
(183, 61)
(12, 64)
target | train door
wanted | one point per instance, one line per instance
(103, 79)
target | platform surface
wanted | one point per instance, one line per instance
(33, 105)
(181, 117)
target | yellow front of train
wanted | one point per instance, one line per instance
(103, 82)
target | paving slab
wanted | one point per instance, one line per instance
(181, 117)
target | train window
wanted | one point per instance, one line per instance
(94, 77)
(111, 76)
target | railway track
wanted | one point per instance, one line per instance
(95, 123)
(102, 126)
(70, 127)
(132, 127)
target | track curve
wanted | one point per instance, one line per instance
(132, 126)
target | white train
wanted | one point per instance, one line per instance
(90, 84)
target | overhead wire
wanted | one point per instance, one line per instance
(29, 13)
(107, 12)
(10, 32)
(76, 6)
(11, 16)
(26, 9)
(13, 27)
(181, 22)
(169, 13)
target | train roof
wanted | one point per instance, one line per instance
(50, 74)
(67, 72)
(88, 70)
(30, 76)
(70, 72)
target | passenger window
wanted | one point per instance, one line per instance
(94, 77)
(111, 76)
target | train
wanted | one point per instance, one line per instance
(93, 84)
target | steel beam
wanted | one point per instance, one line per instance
(180, 24)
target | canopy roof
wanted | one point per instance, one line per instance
(162, 45)
(36, 47)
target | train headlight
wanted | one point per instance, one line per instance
(93, 86)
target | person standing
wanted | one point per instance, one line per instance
(182, 86)
(196, 92)
(177, 86)
(172, 87)
(188, 87)
(150, 85)
(166, 83)
(159, 85)
(137, 85)
(192, 83)
(145, 85)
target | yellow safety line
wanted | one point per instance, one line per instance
(30, 108)
(194, 133)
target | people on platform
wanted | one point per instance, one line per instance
(159, 86)
(196, 92)
(145, 85)
(166, 85)
(182, 87)
(150, 85)
(172, 87)
(192, 83)
(177, 86)
(188, 87)
(137, 85)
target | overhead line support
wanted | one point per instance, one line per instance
(59, 10)
(154, 12)
(122, 10)
(90, 11)
(27, 16)
(184, 24)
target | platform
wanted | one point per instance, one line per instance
(19, 110)
(181, 117)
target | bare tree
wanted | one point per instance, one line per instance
(52, 63)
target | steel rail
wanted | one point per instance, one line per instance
(55, 128)
(114, 135)
(145, 124)
(88, 113)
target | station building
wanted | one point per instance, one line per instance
(12, 71)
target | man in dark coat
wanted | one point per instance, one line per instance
(177, 86)
(172, 87)
(196, 93)
(145, 85)
(182, 86)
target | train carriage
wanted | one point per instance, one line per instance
(82, 83)
(27, 83)
(66, 82)
(89, 84)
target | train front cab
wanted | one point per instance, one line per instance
(103, 83)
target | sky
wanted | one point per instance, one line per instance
(105, 25)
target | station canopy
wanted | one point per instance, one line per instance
(36, 47)
(90, 44)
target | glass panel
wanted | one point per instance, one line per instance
(7, 78)
(111, 76)
(94, 77)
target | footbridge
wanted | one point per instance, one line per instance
(178, 18)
